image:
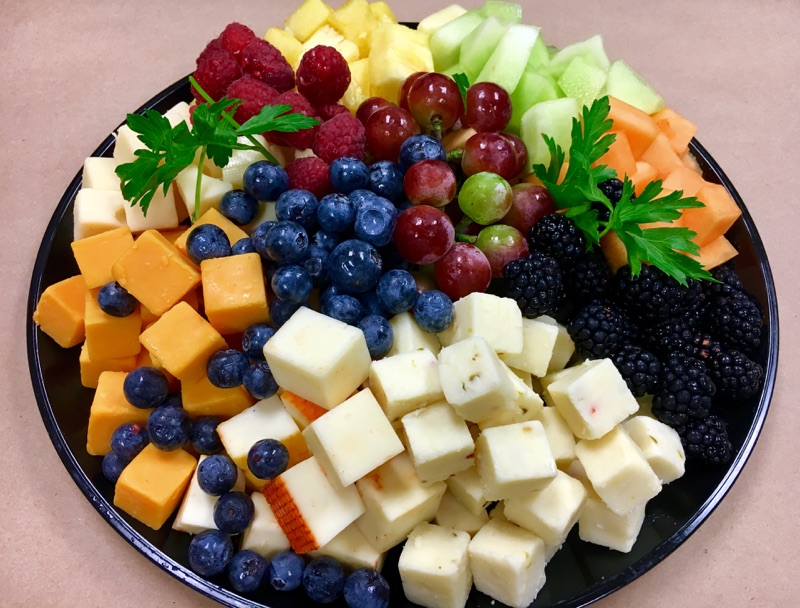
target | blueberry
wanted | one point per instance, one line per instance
(243, 246)
(366, 588)
(375, 221)
(145, 387)
(173, 399)
(378, 333)
(348, 174)
(238, 206)
(169, 427)
(397, 291)
(113, 465)
(204, 437)
(316, 265)
(420, 147)
(233, 512)
(207, 241)
(267, 459)
(392, 260)
(210, 552)
(254, 338)
(265, 181)
(330, 290)
(297, 206)
(115, 300)
(386, 180)
(403, 204)
(128, 440)
(355, 266)
(433, 311)
(336, 213)
(225, 368)
(292, 283)
(259, 381)
(359, 197)
(323, 579)
(344, 308)
(286, 571)
(217, 474)
(369, 301)
(286, 243)
(259, 237)
(326, 240)
(281, 311)
(246, 571)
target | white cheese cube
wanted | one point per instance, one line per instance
(302, 411)
(396, 501)
(311, 510)
(593, 400)
(525, 405)
(178, 113)
(351, 549)
(467, 488)
(434, 567)
(161, 214)
(265, 213)
(212, 190)
(495, 319)
(98, 174)
(645, 406)
(352, 439)
(405, 382)
(514, 459)
(318, 357)
(538, 342)
(498, 511)
(550, 512)
(455, 516)
(559, 436)
(127, 142)
(264, 534)
(408, 337)
(618, 471)
(196, 512)
(233, 171)
(660, 444)
(474, 380)
(439, 442)
(507, 563)
(97, 211)
(601, 526)
(564, 347)
(526, 377)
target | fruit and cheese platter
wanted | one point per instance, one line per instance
(363, 312)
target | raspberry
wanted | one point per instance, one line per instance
(215, 72)
(263, 61)
(310, 173)
(234, 38)
(329, 110)
(342, 135)
(212, 47)
(254, 95)
(323, 75)
(301, 139)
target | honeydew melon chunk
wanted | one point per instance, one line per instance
(434, 21)
(508, 60)
(590, 49)
(582, 80)
(506, 11)
(625, 84)
(479, 45)
(445, 43)
(553, 118)
(533, 88)
(540, 56)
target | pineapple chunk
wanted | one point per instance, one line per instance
(434, 21)
(328, 36)
(381, 11)
(397, 52)
(289, 46)
(308, 18)
(358, 90)
(355, 21)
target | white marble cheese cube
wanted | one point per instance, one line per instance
(526, 377)
(352, 439)
(408, 337)
(593, 400)
(514, 459)
(497, 320)
(439, 442)
(564, 347)
(601, 526)
(498, 511)
(395, 501)
(474, 380)
(178, 113)
(311, 510)
(404, 382)
(233, 171)
(318, 357)
(264, 534)
(161, 213)
(212, 190)
(559, 436)
(538, 342)
(434, 567)
(618, 471)
(660, 444)
(97, 211)
(525, 405)
(196, 512)
(467, 488)
(126, 144)
(455, 516)
(507, 563)
(265, 213)
(550, 512)
(351, 549)
(98, 174)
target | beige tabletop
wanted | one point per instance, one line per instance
(70, 70)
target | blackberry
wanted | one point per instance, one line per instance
(639, 368)
(670, 336)
(685, 391)
(598, 330)
(693, 299)
(612, 188)
(588, 278)
(733, 373)
(706, 441)
(536, 283)
(558, 236)
(651, 296)
(728, 282)
(736, 320)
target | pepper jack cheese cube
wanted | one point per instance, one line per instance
(60, 312)
(150, 487)
(618, 471)
(212, 190)
(526, 405)
(434, 567)
(212, 216)
(600, 525)
(91, 369)
(497, 320)
(178, 113)
(109, 409)
(196, 512)
(109, 337)
(455, 516)
(514, 459)
(303, 411)
(467, 488)
(564, 347)
(507, 563)
(409, 337)
(404, 382)
(97, 211)
(660, 444)
(439, 442)
(538, 343)
(351, 549)
(201, 398)
(161, 213)
(96, 255)
(318, 358)
(559, 436)
(155, 273)
(264, 534)
(98, 173)
(309, 508)
(234, 293)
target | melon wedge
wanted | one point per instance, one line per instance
(678, 129)
(582, 80)
(508, 61)
(715, 218)
(681, 178)
(645, 173)
(591, 50)
(553, 118)
(716, 253)
(434, 21)
(661, 156)
(619, 156)
(639, 126)
(446, 42)
(507, 11)
(479, 45)
(625, 84)
(532, 88)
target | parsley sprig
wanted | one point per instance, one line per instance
(214, 134)
(664, 247)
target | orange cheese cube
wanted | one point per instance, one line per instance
(110, 337)
(201, 398)
(661, 156)
(152, 485)
(715, 253)
(713, 220)
(192, 299)
(91, 368)
(678, 129)
(96, 254)
(303, 411)
(109, 409)
(172, 234)
(682, 178)
(182, 341)
(145, 358)
(234, 293)
(60, 311)
(155, 273)
(212, 216)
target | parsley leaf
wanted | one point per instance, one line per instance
(462, 82)
(275, 118)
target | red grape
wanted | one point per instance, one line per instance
(490, 152)
(529, 204)
(488, 107)
(386, 129)
(435, 101)
(402, 96)
(462, 271)
(501, 244)
(369, 106)
(520, 151)
(430, 182)
(423, 234)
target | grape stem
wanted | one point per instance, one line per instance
(465, 238)
(461, 236)
(454, 156)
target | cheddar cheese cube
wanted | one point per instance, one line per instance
(151, 486)
(109, 337)
(234, 293)
(98, 173)
(201, 398)
(196, 512)
(405, 382)
(97, 211)
(264, 534)
(96, 255)
(212, 216)
(109, 409)
(91, 368)
(61, 309)
(455, 516)
(351, 549)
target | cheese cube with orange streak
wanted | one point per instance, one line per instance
(91, 368)
(60, 311)
(303, 411)
(234, 292)
(309, 508)
(110, 409)
(109, 337)
(201, 398)
(97, 254)
(264, 534)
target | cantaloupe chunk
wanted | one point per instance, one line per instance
(681, 178)
(639, 126)
(678, 129)
(661, 156)
(619, 156)
(713, 220)
(645, 173)
(690, 162)
(715, 253)
(614, 251)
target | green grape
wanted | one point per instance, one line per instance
(485, 197)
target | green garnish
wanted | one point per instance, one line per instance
(462, 82)
(214, 133)
(662, 247)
